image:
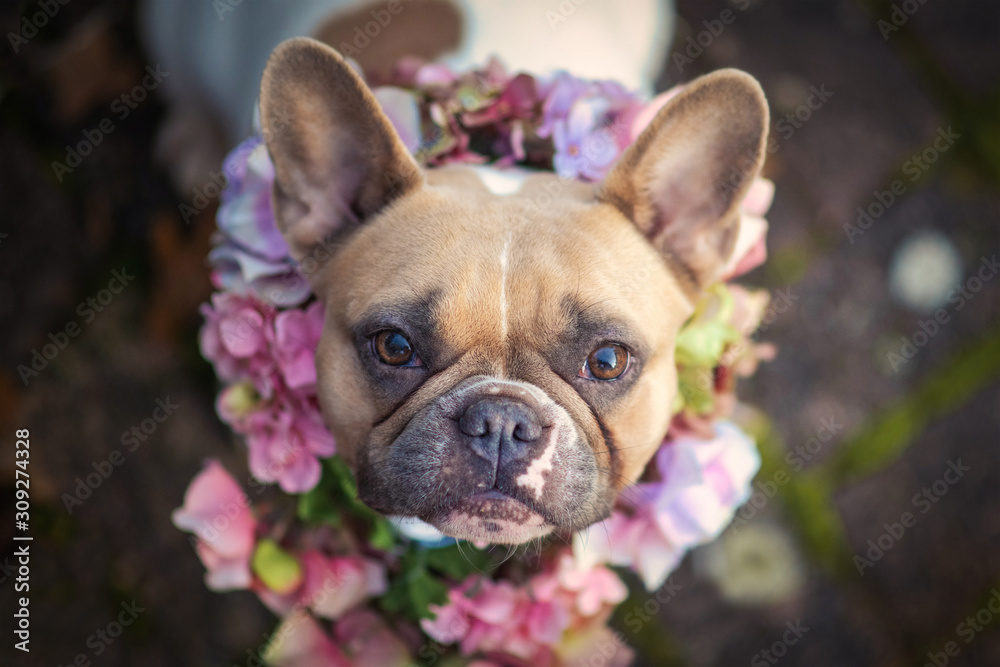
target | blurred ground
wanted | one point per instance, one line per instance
(894, 431)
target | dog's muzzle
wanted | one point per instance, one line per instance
(490, 460)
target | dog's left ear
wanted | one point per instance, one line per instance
(682, 180)
(337, 159)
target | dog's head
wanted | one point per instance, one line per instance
(500, 366)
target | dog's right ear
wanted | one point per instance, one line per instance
(682, 180)
(337, 159)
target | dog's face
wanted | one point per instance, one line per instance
(500, 366)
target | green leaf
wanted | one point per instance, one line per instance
(458, 563)
(702, 343)
(319, 505)
(334, 497)
(415, 589)
(396, 599)
(425, 590)
(695, 387)
(382, 536)
(342, 476)
(278, 569)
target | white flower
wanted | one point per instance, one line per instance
(925, 268)
(755, 565)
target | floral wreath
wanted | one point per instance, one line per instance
(354, 588)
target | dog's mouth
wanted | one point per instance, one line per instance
(490, 461)
(491, 517)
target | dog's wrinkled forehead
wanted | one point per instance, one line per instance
(501, 273)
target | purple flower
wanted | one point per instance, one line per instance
(251, 254)
(589, 122)
(234, 269)
(583, 148)
(702, 482)
(245, 214)
(400, 106)
(559, 94)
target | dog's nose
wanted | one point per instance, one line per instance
(501, 429)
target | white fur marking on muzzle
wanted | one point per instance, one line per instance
(533, 477)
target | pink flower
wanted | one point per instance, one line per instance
(217, 511)
(369, 643)
(300, 642)
(331, 585)
(270, 358)
(236, 338)
(517, 101)
(335, 585)
(530, 622)
(589, 590)
(434, 75)
(296, 335)
(546, 622)
(750, 250)
(489, 620)
(245, 338)
(286, 439)
(702, 482)
(631, 540)
(360, 639)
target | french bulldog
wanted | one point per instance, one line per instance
(489, 364)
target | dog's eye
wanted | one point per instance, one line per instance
(394, 349)
(607, 362)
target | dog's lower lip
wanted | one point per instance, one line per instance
(492, 496)
(491, 516)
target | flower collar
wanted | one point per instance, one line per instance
(353, 587)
